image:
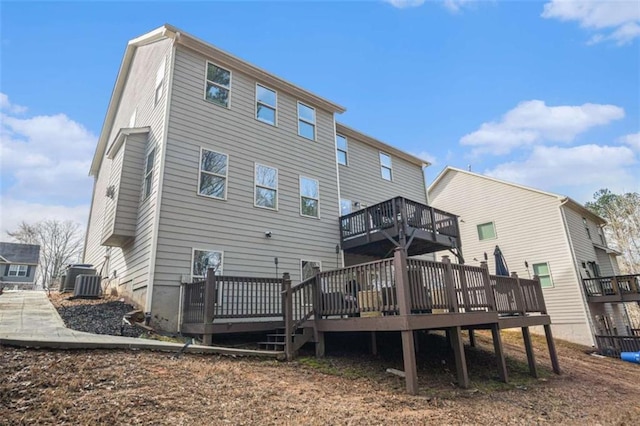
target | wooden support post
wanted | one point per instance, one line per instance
(552, 349)
(316, 290)
(450, 285)
(320, 348)
(518, 295)
(374, 345)
(531, 359)
(486, 279)
(472, 338)
(497, 347)
(402, 280)
(409, 358)
(447, 335)
(287, 313)
(209, 305)
(461, 362)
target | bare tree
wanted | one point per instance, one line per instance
(622, 213)
(60, 243)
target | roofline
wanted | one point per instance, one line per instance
(120, 137)
(207, 49)
(369, 140)
(564, 200)
(10, 262)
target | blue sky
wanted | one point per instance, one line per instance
(543, 93)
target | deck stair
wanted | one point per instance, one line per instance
(277, 341)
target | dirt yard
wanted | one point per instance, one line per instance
(120, 387)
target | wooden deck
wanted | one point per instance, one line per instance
(397, 294)
(377, 230)
(612, 289)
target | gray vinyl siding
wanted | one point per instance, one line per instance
(128, 267)
(234, 226)
(361, 180)
(529, 227)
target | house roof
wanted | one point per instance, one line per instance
(369, 140)
(24, 254)
(563, 199)
(180, 37)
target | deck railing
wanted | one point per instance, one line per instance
(393, 213)
(615, 285)
(193, 303)
(614, 345)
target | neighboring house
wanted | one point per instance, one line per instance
(18, 264)
(205, 160)
(539, 233)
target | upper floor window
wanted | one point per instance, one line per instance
(18, 270)
(306, 121)
(341, 143)
(266, 187)
(486, 231)
(204, 260)
(132, 119)
(601, 235)
(159, 83)
(544, 273)
(266, 104)
(218, 85)
(345, 207)
(148, 173)
(309, 197)
(213, 174)
(586, 227)
(385, 166)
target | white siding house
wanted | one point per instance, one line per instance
(539, 233)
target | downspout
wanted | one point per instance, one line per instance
(335, 150)
(585, 306)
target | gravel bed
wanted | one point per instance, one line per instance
(101, 316)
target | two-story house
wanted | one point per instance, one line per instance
(18, 265)
(539, 233)
(205, 160)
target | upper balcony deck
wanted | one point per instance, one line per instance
(376, 230)
(618, 288)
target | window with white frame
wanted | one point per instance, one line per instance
(218, 85)
(214, 171)
(266, 187)
(385, 166)
(544, 273)
(306, 268)
(266, 104)
(341, 144)
(159, 83)
(132, 119)
(309, 197)
(486, 231)
(306, 121)
(346, 206)
(148, 173)
(204, 260)
(601, 235)
(18, 270)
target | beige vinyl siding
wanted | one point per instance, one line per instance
(130, 264)
(361, 179)
(111, 204)
(529, 227)
(234, 225)
(582, 245)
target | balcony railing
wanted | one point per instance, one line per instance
(613, 288)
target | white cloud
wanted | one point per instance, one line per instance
(579, 170)
(14, 211)
(424, 155)
(454, 6)
(616, 20)
(531, 122)
(633, 140)
(6, 105)
(405, 4)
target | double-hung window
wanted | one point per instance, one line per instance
(218, 85)
(266, 104)
(266, 191)
(18, 270)
(214, 171)
(306, 121)
(341, 144)
(159, 83)
(148, 173)
(544, 273)
(586, 227)
(385, 166)
(309, 197)
(206, 259)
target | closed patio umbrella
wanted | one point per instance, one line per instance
(501, 265)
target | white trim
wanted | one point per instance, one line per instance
(346, 150)
(300, 196)
(338, 183)
(121, 137)
(255, 186)
(495, 232)
(200, 171)
(208, 250)
(17, 269)
(206, 80)
(133, 118)
(156, 221)
(160, 76)
(382, 166)
(274, 107)
(147, 174)
(313, 123)
(533, 264)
